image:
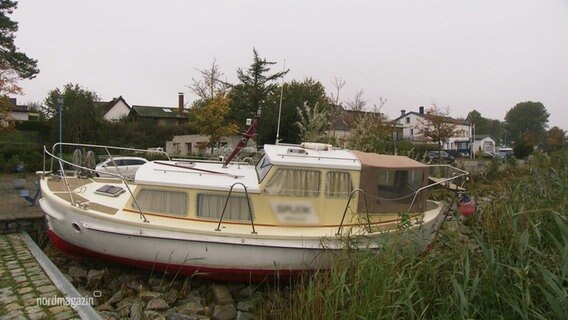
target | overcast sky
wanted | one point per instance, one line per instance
(486, 55)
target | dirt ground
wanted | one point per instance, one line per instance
(12, 206)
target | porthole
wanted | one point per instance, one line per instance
(76, 226)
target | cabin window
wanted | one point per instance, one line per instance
(338, 184)
(262, 168)
(294, 183)
(399, 185)
(162, 202)
(210, 206)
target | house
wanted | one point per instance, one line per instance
(412, 121)
(484, 143)
(345, 120)
(115, 109)
(161, 115)
(193, 144)
(18, 112)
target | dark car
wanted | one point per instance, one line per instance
(439, 157)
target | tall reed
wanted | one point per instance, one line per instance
(508, 261)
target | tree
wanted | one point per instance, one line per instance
(211, 120)
(10, 57)
(210, 85)
(483, 125)
(335, 105)
(555, 139)
(526, 123)
(14, 65)
(313, 123)
(80, 122)
(437, 126)
(369, 131)
(254, 90)
(295, 94)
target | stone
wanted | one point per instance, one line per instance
(137, 310)
(149, 295)
(107, 315)
(115, 298)
(153, 315)
(126, 302)
(77, 272)
(65, 315)
(244, 316)
(25, 290)
(179, 316)
(157, 304)
(190, 308)
(224, 312)
(37, 315)
(221, 294)
(171, 296)
(243, 306)
(94, 278)
(104, 307)
(46, 289)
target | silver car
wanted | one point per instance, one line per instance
(124, 166)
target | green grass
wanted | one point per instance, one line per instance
(510, 261)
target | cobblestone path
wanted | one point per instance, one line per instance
(26, 292)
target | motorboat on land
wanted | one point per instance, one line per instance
(285, 214)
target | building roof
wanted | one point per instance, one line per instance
(423, 115)
(113, 102)
(483, 136)
(160, 112)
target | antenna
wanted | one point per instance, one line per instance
(280, 107)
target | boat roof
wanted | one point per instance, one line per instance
(199, 175)
(387, 161)
(315, 155)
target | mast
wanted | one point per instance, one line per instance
(280, 107)
(251, 132)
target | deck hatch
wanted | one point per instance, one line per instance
(110, 190)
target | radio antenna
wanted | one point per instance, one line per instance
(280, 106)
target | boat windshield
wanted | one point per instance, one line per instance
(262, 168)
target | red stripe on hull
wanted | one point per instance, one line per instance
(238, 275)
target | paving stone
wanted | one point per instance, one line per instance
(37, 315)
(13, 306)
(59, 309)
(65, 315)
(25, 290)
(33, 309)
(40, 283)
(16, 314)
(45, 289)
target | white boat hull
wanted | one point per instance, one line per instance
(216, 254)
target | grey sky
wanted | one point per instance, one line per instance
(486, 55)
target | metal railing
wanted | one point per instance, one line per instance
(444, 182)
(61, 162)
(227, 202)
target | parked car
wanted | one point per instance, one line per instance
(439, 157)
(125, 166)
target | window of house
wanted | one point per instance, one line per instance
(407, 119)
(338, 184)
(294, 183)
(210, 206)
(411, 132)
(162, 202)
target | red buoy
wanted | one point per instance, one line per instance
(466, 206)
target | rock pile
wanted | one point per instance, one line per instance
(117, 292)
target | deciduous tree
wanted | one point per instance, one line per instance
(526, 123)
(79, 118)
(210, 119)
(436, 126)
